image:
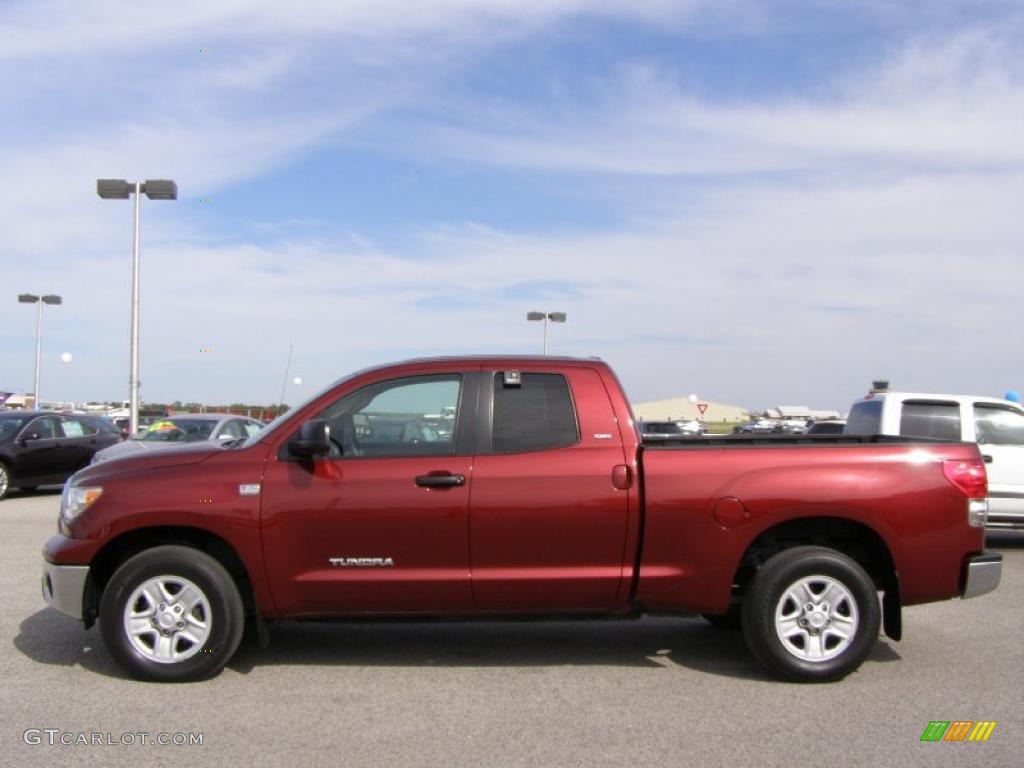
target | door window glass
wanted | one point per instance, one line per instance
(998, 426)
(533, 415)
(232, 429)
(404, 417)
(930, 419)
(45, 428)
(77, 428)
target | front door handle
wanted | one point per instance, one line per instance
(446, 480)
(986, 458)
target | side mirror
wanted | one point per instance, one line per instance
(29, 436)
(313, 439)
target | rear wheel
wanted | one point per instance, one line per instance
(5, 480)
(811, 614)
(171, 614)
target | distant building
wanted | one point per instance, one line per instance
(681, 409)
(19, 401)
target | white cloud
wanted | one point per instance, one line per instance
(949, 103)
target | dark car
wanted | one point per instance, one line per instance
(827, 427)
(46, 448)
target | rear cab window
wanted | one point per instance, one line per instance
(931, 418)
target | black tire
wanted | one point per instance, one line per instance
(216, 620)
(845, 602)
(5, 480)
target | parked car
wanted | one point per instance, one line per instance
(757, 427)
(663, 430)
(997, 426)
(791, 427)
(45, 447)
(692, 427)
(826, 427)
(541, 501)
(170, 431)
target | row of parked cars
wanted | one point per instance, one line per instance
(655, 430)
(47, 447)
(790, 427)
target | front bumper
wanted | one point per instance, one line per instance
(64, 587)
(983, 573)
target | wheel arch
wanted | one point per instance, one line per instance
(854, 539)
(125, 546)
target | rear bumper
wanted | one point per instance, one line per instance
(64, 587)
(1005, 512)
(983, 574)
(1005, 521)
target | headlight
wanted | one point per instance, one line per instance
(76, 499)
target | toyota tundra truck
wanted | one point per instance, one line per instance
(514, 486)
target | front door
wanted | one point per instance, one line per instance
(379, 525)
(43, 452)
(1000, 436)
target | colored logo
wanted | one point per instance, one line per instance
(958, 730)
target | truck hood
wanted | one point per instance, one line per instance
(138, 460)
(139, 447)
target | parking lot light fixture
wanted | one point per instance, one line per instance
(31, 298)
(119, 189)
(554, 317)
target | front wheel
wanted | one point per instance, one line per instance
(811, 614)
(5, 480)
(171, 614)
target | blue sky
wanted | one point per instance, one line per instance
(762, 203)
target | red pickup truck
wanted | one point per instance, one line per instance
(514, 486)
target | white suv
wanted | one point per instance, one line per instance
(997, 426)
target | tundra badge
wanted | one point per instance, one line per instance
(362, 562)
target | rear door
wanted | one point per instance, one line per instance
(81, 440)
(999, 431)
(547, 525)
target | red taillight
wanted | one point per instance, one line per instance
(968, 475)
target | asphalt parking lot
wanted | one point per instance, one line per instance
(655, 692)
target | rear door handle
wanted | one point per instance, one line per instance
(986, 458)
(440, 481)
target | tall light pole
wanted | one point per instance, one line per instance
(29, 298)
(554, 317)
(119, 189)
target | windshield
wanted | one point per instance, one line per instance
(283, 417)
(179, 430)
(9, 425)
